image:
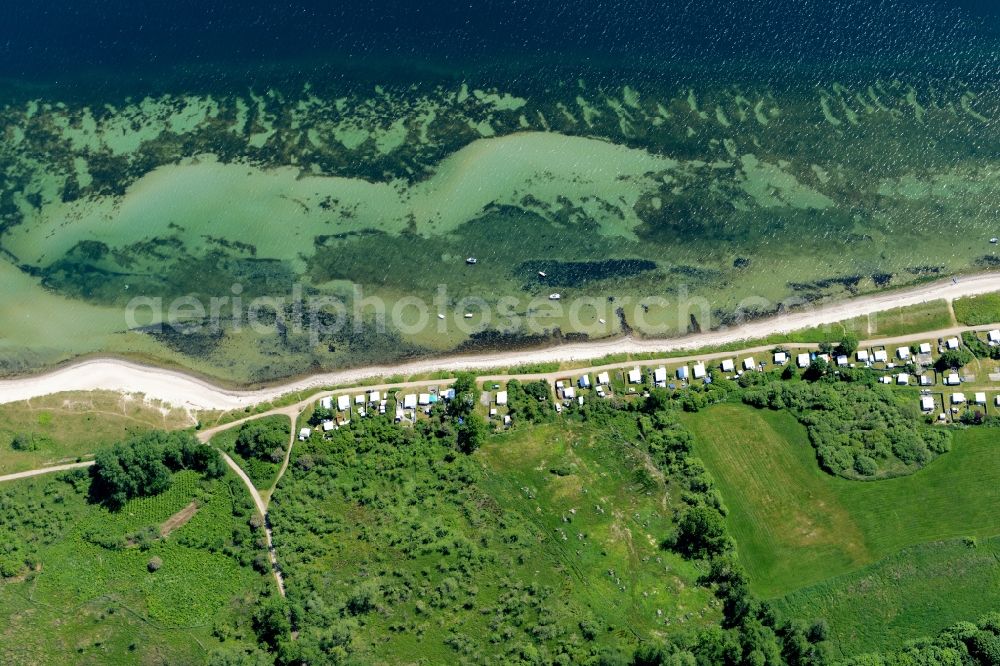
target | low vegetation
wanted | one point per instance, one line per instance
(978, 310)
(797, 525)
(85, 584)
(978, 348)
(68, 426)
(596, 537)
(930, 316)
(554, 543)
(431, 556)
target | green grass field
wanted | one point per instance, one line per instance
(914, 592)
(796, 526)
(557, 475)
(978, 310)
(898, 321)
(89, 598)
(67, 426)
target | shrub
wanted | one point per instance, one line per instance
(24, 442)
(588, 629)
(865, 466)
(154, 564)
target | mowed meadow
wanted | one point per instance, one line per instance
(798, 527)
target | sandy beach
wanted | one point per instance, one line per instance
(182, 390)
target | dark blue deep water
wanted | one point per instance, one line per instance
(60, 40)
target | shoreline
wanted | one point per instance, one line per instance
(188, 390)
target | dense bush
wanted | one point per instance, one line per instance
(531, 402)
(964, 643)
(264, 439)
(858, 430)
(141, 466)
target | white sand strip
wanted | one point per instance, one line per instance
(181, 390)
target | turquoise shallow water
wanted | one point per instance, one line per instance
(782, 157)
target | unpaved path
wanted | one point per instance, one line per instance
(179, 519)
(258, 500)
(44, 470)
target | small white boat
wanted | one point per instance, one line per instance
(554, 297)
(541, 274)
(472, 261)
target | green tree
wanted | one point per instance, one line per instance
(953, 358)
(127, 470)
(658, 401)
(471, 433)
(264, 439)
(701, 532)
(848, 344)
(817, 369)
(271, 621)
(465, 395)
(141, 466)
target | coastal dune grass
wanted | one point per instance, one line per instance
(978, 310)
(67, 426)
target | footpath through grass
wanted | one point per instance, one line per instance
(262, 469)
(795, 525)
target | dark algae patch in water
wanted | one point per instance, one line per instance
(573, 273)
(812, 170)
